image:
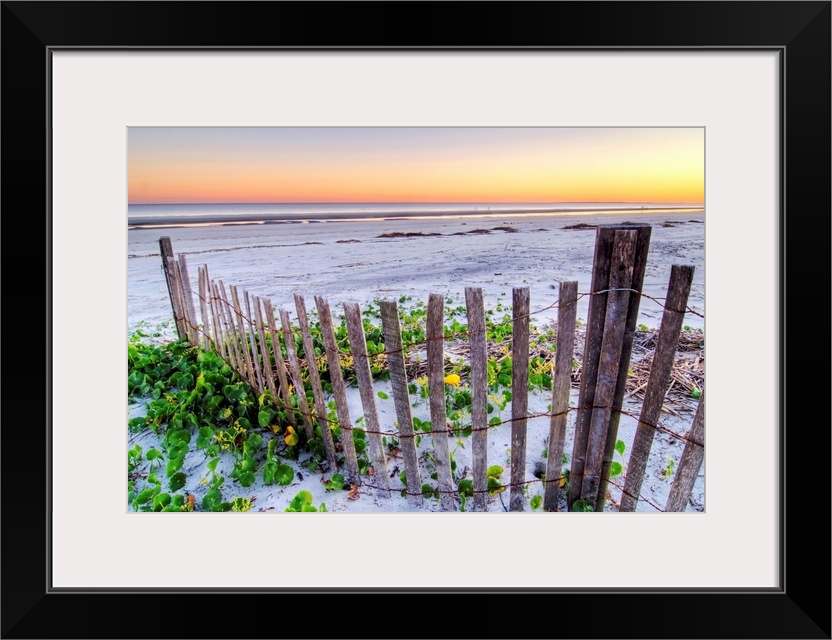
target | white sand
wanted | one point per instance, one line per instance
(277, 260)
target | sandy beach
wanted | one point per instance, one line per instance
(363, 261)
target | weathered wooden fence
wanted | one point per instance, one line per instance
(242, 330)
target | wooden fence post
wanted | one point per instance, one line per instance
(401, 397)
(315, 379)
(358, 346)
(592, 350)
(255, 357)
(639, 268)
(435, 335)
(692, 457)
(561, 387)
(231, 329)
(333, 358)
(681, 278)
(479, 394)
(618, 300)
(166, 252)
(188, 296)
(241, 327)
(519, 395)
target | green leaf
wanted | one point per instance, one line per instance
(383, 395)
(615, 469)
(212, 501)
(269, 472)
(173, 466)
(161, 501)
(177, 481)
(285, 474)
(695, 393)
(180, 436)
(246, 478)
(153, 454)
(620, 446)
(494, 486)
(494, 471)
(256, 441)
(495, 420)
(301, 498)
(206, 435)
(144, 496)
(466, 487)
(335, 482)
(264, 417)
(537, 500)
(582, 506)
(212, 464)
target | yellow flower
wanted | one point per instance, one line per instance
(422, 381)
(452, 379)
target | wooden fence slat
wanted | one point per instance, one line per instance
(333, 357)
(592, 350)
(255, 356)
(231, 330)
(519, 395)
(618, 301)
(203, 310)
(280, 363)
(219, 335)
(435, 334)
(401, 398)
(639, 268)
(358, 346)
(315, 379)
(479, 394)
(166, 252)
(561, 388)
(264, 351)
(237, 313)
(681, 277)
(692, 458)
(188, 295)
(176, 299)
(294, 371)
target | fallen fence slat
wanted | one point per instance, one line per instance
(401, 398)
(519, 395)
(691, 462)
(681, 277)
(479, 394)
(294, 371)
(333, 358)
(315, 379)
(435, 333)
(561, 387)
(618, 300)
(358, 346)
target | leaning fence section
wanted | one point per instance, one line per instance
(302, 374)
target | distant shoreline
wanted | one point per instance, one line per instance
(164, 222)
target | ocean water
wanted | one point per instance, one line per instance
(151, 215)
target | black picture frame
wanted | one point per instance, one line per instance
(799, 31)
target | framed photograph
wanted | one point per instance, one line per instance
(81, 80)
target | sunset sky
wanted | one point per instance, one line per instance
(248, 165)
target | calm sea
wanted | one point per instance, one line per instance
(146, 215)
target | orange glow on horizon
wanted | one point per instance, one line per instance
(434, 165)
